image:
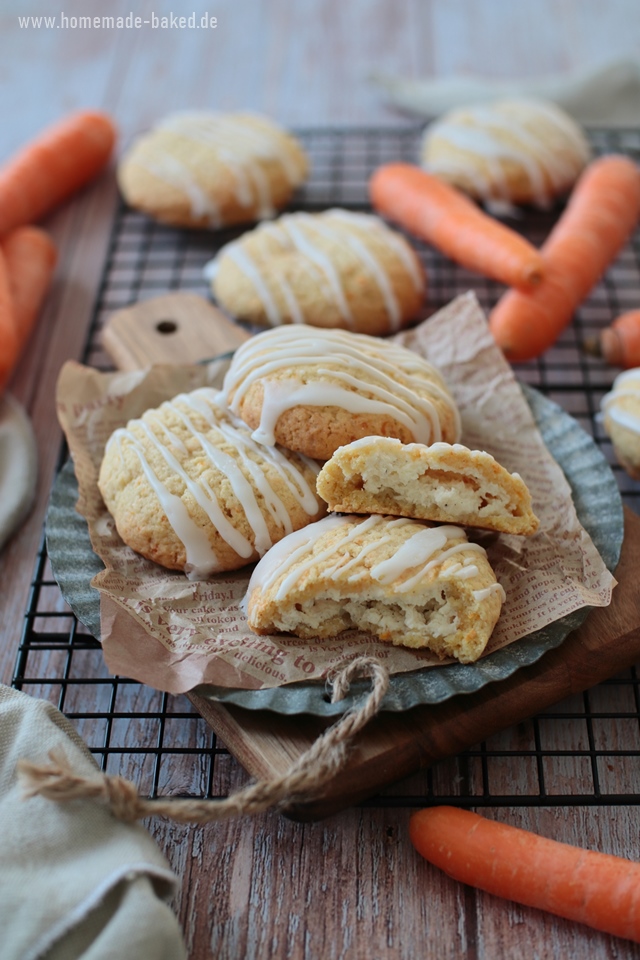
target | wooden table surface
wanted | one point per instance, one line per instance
(350, 886)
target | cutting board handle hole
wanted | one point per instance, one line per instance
(166, 326)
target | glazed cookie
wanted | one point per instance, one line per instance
(189, 489)
(212, 169)
(401, 580)
(621, 419)
(332, 269)
(447, 483)
(518, 151)
(314, 390)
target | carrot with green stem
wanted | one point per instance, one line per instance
(603, 210)
(436, 212)
(9, 344)
(30, 257)
(597, 889)
(49, 169)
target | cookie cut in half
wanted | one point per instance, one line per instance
(191, 490)
(400, 580)
(313, 390)
(330, 269)
(446, 483)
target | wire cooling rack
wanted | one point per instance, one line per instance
(578, 753)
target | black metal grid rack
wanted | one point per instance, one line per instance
(160, 740)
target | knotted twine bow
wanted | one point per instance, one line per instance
(303, 781)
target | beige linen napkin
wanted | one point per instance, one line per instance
(607, 95)
(74, 881)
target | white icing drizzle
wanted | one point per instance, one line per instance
(200, 555)
(440, 558)
(172, 438)
(293, 575)
(481, 595)
(463, 572)
(626, 385)
(245, 133)
(565, 123)
(345, 563)
(484, 143)
(281, 395)
(353, 360)
(295, 310)
(291, 224)
(240, 486)
(249, 267)
(372, 266)
(294, 307)
(417, 550)
(243, 474)
(176, 174)
(426, 549)
(294, 232)
(285, 553)
(478, 130)
(558, 166)
(623, 417)
(203, 129)
(210, 269)
(236, 141)
(368, 222)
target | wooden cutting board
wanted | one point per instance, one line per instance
(185, 328)
(174, 328)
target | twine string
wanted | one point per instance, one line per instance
(303, 781)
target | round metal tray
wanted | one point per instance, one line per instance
(599, 507)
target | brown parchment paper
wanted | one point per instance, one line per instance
(174, 634)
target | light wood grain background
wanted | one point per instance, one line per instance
(350, 887)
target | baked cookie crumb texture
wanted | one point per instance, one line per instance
(517, 151)
(331, 269)
(445, 483)
(200, 169)
(413, 585)
(191, 490)
(314, 390)
(621, 419)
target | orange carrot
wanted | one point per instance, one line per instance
(9, 349)
(602, 211)
(450, 221)
(46, 171)
(593, 888)
(619, 344)
(30, 257)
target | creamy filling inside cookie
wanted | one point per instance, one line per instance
(438, 622)
(462, 496)
(404, 582)
(441, 482)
